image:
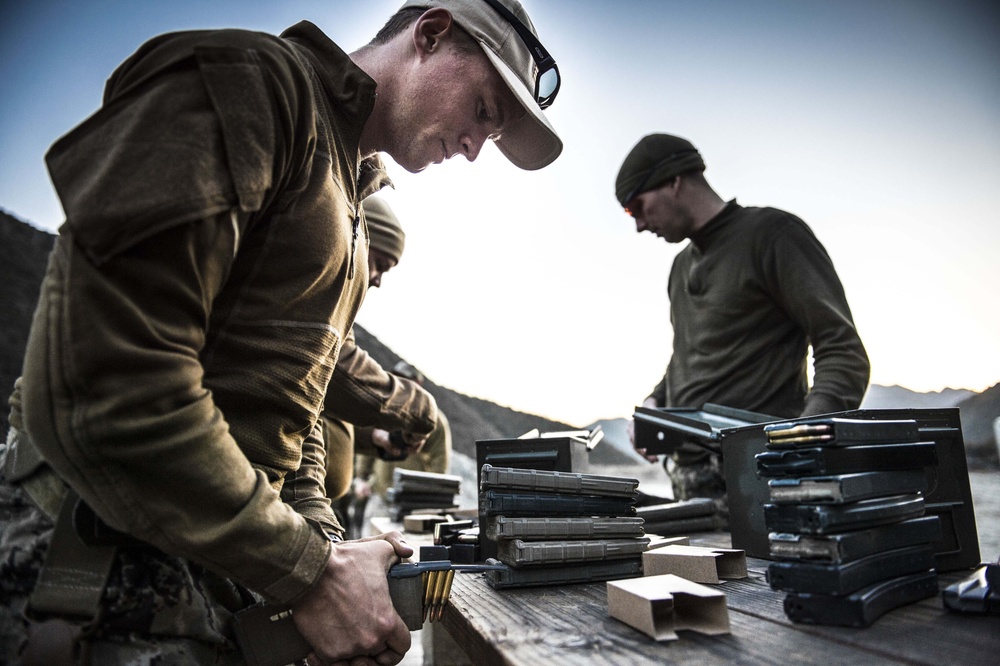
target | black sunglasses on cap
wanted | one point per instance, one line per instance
(547, 78)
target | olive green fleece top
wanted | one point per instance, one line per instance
(211, 265)
(748, 295)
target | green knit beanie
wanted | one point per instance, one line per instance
(384, 231)
(653, 161)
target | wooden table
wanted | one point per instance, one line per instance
(570, 625)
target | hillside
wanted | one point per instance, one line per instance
(23, 254)
(890, 397)
(979, 412)
(470, 418)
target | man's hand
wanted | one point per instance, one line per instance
(411, 443)
(362, 489)
(414, 442)
(630, 428)
(348, 616)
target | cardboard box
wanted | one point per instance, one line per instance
(657, 541)
(660, 606)
(421, 523)
(700, 565)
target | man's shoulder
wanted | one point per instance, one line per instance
(219, 49)
(768, 222)
(768, 215)
(172, 46)
(187, 42)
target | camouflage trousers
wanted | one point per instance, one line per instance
(156, 608)
(700, 476)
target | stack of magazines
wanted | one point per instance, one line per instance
(846, 518)
(550, 528)
(698, 514)
(414, 491)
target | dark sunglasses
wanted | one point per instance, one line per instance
(547, 79)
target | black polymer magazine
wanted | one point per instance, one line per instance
(510, 479)
(449, 481)
(562, 574)
(863, 607)
(685, 525)
(520, 553)
(493, 503)
(843, 579)
(844, 488)
(692, 508)
(397, 496)
(572, 527)
(839, 432)
(832, 518)
(849, 546)
(819, 461)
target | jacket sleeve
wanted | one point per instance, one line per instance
(436, 454)
(156, 202)
(364, 463)
(364, 446)
(803, 278)
(305, 488)
(363, 393)
(659, 392)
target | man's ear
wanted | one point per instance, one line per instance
(674, 185)
(431, 29)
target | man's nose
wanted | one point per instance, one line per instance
(471, 145)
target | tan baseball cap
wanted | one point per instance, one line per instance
(529, 142)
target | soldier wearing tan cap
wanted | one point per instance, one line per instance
(191, 317)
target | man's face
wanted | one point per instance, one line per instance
(450, 104)
(378, 263)
(658, 212)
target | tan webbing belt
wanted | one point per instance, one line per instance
(73, 574)
(25, 466)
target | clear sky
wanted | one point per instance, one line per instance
(876, 121)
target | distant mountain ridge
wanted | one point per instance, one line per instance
(471, 419)
(24, 252)
(980, 411)
(895, 397)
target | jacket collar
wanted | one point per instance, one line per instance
(350, 90)
(704, 237)
(347, 86)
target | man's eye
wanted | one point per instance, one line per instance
(484, 113)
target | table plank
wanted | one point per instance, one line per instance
(570, 625)
(923, 632)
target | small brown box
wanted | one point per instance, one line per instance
(421, 523)
(701, 565)
(660, 606)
